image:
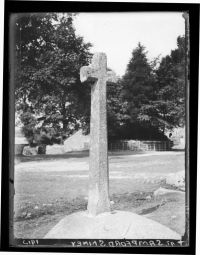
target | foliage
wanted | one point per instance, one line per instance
(138, 88)
(138, 82)
(29, 126)
(116, 109)
(167, 110)
(38, 135)
(154, 94)
(48, 59)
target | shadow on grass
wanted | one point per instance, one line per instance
(75, 154)
(80, 154)
(177, 150)
(68, 207)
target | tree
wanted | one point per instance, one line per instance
(138, 90)
(49, 55)
(167, 110)
(137, 82)
(116, 109)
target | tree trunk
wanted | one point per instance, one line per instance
(65, 125)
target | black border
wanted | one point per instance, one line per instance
(8, 110)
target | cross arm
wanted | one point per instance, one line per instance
(87, 73)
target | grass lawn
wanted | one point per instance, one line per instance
(48, 187)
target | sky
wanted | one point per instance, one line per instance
(117, 34)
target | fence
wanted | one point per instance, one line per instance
(135, 145)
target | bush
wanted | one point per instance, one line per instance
(39, 136)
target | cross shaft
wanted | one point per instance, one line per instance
(96, 73)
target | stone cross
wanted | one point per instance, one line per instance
(97, 75)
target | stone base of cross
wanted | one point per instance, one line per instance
(98, 76)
